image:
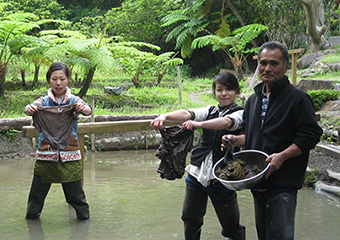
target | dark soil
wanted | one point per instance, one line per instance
(322, 162)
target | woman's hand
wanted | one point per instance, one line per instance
(158, 123)
(31, 109)
(192, 125)
(83, 108)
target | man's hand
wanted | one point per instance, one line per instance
(275, 161)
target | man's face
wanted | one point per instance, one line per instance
(271, 66)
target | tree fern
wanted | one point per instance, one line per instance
(14, 36)
(234, 46)
(191, 21)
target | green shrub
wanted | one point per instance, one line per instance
(311, 178)
(320, 97)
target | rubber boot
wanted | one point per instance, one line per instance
(280, 217)
(229, 216)
(194, 209)
(75, 196)
(36, 198)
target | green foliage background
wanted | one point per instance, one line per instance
(145, 22)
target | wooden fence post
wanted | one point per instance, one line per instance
(92, 120)
(179, 85)
(82, 152)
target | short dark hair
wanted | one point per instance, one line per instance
(56, 66)
(273, 45)
(227, 79)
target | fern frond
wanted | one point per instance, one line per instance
(122, 51)
(196, 25)
(186, 47)
(63, 33)
(141, 44)
(204, 41)
(101, 57)
(61, 22)
(16, 27)
(3, 6)
(174, 62)
(248, 33)
(182, 38)
(165, 56)
(174, 17)
(204, 8)
(175, 32)
(224, 29)
(21, 17)
(55, 52)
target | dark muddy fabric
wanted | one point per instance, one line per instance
(175, 144)
(56, 123)
(234, 169)
(229, 153)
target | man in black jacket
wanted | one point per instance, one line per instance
(279, 119)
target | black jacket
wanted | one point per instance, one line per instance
(290, 118)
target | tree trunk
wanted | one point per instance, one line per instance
(160, 77)
(23, 77)
(36, 74)
(87, 82)
(136, 80)
(314, 28)
(3, 72)
(235, 12)
(238, 69)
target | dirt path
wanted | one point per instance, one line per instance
(195, 97)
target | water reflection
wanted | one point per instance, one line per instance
(128, 200)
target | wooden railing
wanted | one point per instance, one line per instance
(99, 127)
(96, 127)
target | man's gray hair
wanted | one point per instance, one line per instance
(273, 45)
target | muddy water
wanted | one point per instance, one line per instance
(128, 200)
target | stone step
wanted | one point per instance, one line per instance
(330, 149)
(327, 188)
(334, 175)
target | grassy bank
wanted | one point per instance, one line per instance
(149, 99)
